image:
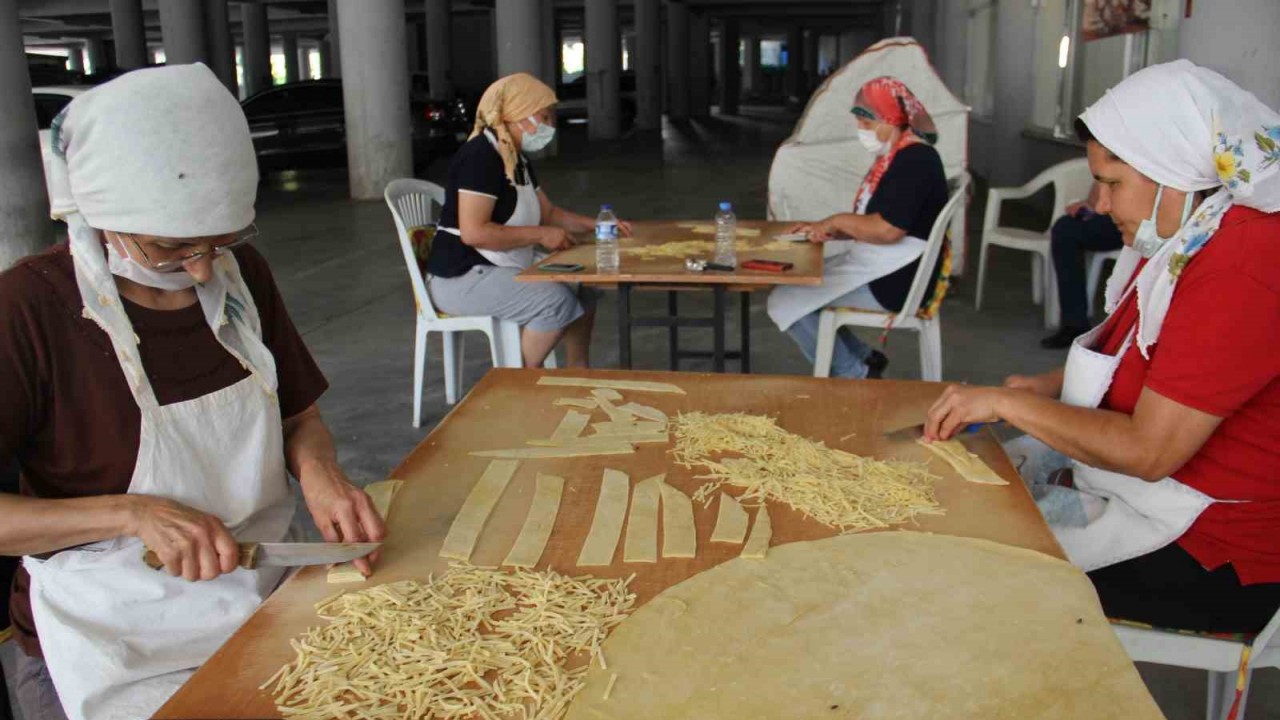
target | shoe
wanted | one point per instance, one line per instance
(876, 363)
(1063, 338)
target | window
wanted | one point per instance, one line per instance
(979, 86)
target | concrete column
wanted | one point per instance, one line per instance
(603, 68)
(182, 29)
(222, 47)
(648, 65)
(257, 48)
(439, 57)
(289, 48)
(95, 55)
(518, 25)
(24, 205)
(304, 61)
(699, 65)
(333, 53)
(550, 44)
(375, 95)
(795, 62)
(811, 60)
(130, 34)
(751, 63)
(75, 58)
(677, 61)
(413, 46)
(730, 72)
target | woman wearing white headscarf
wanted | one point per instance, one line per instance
(1167, 416)
(155, 394)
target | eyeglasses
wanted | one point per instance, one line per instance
(162, 259)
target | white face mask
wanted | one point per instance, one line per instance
(539, 138)
(873, 144)
(1147, 240)
(130, 269)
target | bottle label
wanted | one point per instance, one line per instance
(606, 231)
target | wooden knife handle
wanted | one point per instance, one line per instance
(248, 557)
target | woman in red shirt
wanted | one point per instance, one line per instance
(1168, 414)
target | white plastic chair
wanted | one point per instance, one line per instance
(1097, 260)
(1071, 181)
(414, 205)
(1220, 657)
(834, 318)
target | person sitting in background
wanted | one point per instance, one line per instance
(1082, 230)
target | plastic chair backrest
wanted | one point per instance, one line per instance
(415, 204)
(1072, 182)
(933, 248)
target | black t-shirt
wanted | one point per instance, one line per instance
(909, 197)
(476, 168)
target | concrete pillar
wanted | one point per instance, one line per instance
(304, 60)
(699, 65)
(289, 48)
(648, 65)
(518, 24)
(550, 44)
(257, 48)
(375, 95)
(95, 55)
(439, 54)
(751, 64)
(24, 205)
(130, 34)
(222, 47)
(182, 29)
(677, 61)
(333, 50)
(795, 62)
(730, 72)
(603, 69)
(811, 60)
(413, 46)
(75, 58)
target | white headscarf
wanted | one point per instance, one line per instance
(1190, 129)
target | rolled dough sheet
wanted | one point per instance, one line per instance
(540, 453)
(642, 524)
(731, 521)
(381, 493)
(875, 626)
(679, 534)
(571, 426)
(533, 537)
(606, 527)
(627, 427)
(761, 533)
(967, 465)
(470, 520)
(635, 385)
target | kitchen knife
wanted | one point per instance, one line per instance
(255, 555)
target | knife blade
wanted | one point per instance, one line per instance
(912, 433)
(255, 555)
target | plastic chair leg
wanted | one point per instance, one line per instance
(1052, 308)
(508, 346)
(931, 350)
(1037, 279)
(826, 349)
(419, 368)
(1222, 688)
(982, 275)
(450, 367)
(550, 362)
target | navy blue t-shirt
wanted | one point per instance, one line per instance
(909, 197)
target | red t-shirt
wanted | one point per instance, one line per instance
(1219, 352)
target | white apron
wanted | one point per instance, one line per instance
(849, 265)
(527, 213)
(1126, 516)
(118, 637)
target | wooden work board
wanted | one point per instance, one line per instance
(507, 408)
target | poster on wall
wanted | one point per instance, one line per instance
(1105, 18)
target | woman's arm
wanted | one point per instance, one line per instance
(475, 222)
(557, 216)
(865, 228)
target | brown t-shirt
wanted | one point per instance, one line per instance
(67, 414)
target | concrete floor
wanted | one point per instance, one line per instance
(341, 273)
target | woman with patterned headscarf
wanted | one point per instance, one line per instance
(496, 217)
(894, 211)
(1155, 452)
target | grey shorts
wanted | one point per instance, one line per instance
(492, 290)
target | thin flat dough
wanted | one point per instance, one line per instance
(582, 403)
(642, 524)
(757, 546)
(607, 441)
(607, 393)
(571, 426)
(679, 534)
(711, 230)
(967, 465)
(542, 453)
(606, 404)
(644, 411)
(538, 524)
(381, 493)
(469, 522)
(731, 521)
(634, 385)
(606, 527)
(627, 427)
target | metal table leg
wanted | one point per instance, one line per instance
(673, 332)
(744, 348)
(624, 325)
(717, 351)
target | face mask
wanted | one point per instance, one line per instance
(130, 269)
(1146, 240)
(873, 144)
(539, 138)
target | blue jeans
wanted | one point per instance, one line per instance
(851, 353)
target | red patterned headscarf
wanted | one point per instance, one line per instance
(888, 100)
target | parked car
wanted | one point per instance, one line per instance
(303, 125)
(573, 99)
(49, 102)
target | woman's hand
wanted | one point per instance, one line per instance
(190, 543)
(344, 513)
(1046, 384)
(625, 229)
(959, 406)
(554, 238)
(799, 228)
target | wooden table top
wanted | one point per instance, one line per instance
(507, 407)
(805, 256)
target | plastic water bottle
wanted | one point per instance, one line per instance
(726, 235)
(606, 240)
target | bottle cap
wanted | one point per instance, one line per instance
(606, 206)
(726, 206)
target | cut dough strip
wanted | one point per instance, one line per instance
(607, 394)
(582, 403)
(606, 441)
(605, 402)
(634, 385)
(543, 453)
(533, 537)
(464, 532)
(731, 522)
(627, 427)
(679, 534)
(642, 524)
(644, 411)
(969, 466)
(606, 527)
(381, 493)
(758, 544)
(571, 426)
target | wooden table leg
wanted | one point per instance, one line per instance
(717, 350)
(624, 326)
(673, 332)
(744, 348)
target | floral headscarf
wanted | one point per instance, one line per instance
(886, 99)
